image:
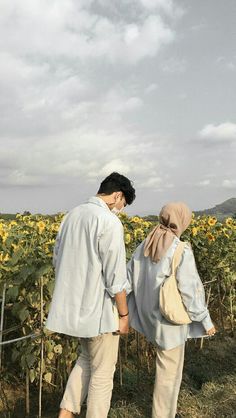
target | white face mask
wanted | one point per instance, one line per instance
(117, 211)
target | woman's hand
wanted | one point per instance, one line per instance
(211, 331)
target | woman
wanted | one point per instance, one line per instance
(147, 269)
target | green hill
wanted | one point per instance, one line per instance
(223, 210)
(7, 216)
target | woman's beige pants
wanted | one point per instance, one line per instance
(92, 376)
(169, 368)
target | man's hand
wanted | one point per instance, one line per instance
(211, 331)
(122, 307)
(123, 325)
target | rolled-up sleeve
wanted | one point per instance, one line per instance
(192, 290)
(111, 249)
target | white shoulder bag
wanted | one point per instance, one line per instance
(170, 301)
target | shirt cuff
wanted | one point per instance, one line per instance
(113, 290)
(128, 287)
(207, 322)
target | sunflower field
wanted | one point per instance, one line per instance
(27, 281)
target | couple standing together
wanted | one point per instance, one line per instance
(89, 299)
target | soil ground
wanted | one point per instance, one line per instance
(208, 388)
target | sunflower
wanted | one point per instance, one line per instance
(212, 221)
(41, 226)
(13, 223)
(4, 257)
(4, 235)
(146, 224)
(15, 246)
(127, 238)
(50, 356)
(135, 219)
(139, 234)
(210, 237)
(229, 222)
(58, 349)
(201, 227)
(55, 227)
(195, 231)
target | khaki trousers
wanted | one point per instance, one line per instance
(92, 376)
(169, 368)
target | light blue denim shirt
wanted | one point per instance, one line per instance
(145, 278)
(90, 267)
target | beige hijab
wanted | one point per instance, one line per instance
(174, 218)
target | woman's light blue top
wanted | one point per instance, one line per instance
(90, 262)
(145, 278)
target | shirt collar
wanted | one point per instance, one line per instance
(98, 201)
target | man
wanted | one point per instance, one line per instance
(89, 299)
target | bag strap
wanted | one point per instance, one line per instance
(177, 256)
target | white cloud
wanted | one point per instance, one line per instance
(227, 63)
(155, 182)
(133, 103)
(58, 60)
(204, 183)
(82, 153)
(229, 184)
(115, 165)
(144, 41)
(67, 29)
(152, 87)
(151, 182)
(174, 65)
(165, 5)
(131, 34)
(86, 153)
(20, 178)
(223, 132)
(116, 103)
(199, 26)
(183, 96)
(231, 66)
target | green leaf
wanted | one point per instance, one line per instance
(32, 375)
(16, 257)
(12, 293)
(15, 354)
(21, 311)
(26, 271)
(23, 362)
(43, 270)
(24, 313)
(30, 359)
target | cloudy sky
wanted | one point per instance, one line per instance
(143, 87)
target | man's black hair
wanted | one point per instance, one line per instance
(116, 182)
